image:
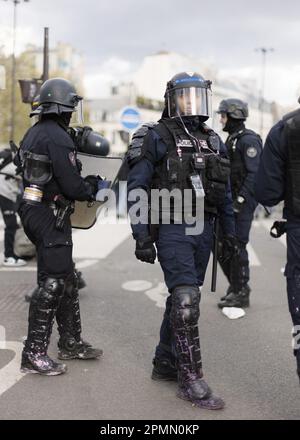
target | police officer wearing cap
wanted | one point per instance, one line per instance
(52, 182)
(244, 149)
(182, 153)
(278, 179)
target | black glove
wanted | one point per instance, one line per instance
(230, 248)
(238, 204)
(92, 182)
(279, 227)
(145, 250)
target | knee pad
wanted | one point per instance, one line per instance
(185, 305)
(49, 293)
(71, 285)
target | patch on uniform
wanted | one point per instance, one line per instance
(251, 152)
(72, 158)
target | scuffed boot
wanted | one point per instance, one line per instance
(69, 349)
(229, 290)
(239, 299)
(163, 369)
(199, 393)
(70, 344)
(42, 310)
(42, 364)
(184, 319)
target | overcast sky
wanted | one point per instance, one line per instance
(115, 35)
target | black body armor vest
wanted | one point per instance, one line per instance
(238, 169)
(180, 162)
(292, 137)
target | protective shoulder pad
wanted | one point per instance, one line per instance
(248, 132)
(137, 148)
(290, 115)
(213, 138)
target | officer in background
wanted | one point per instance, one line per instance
(244, 148)
(174, 154)
(52, 182)
(278, 179)
(9, 192)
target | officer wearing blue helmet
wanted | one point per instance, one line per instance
(278, 179)
(180, 152)
(244, 149)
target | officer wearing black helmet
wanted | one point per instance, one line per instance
(181, 153)
(278, 180)
(52, 182)
(244, 148)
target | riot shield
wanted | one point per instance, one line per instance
(85, 213)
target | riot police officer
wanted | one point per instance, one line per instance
(182, 153)
(51, 184)
(244, 149)
(278, 180)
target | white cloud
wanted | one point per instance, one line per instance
(282, 84)
(24, 36)
(112, 71)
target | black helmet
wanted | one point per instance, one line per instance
(188, 94)
(235, 108)
(58, 96)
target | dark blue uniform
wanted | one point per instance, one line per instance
(270, 189)
(183, 258)
(54, 247)
(57, 294)
(244, 149)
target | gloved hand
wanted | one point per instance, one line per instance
(92, 181)
(230, 247)
(238, 204)
(279, 226)
(145, 250)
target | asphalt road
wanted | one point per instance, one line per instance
(248, 361)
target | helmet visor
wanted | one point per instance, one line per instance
(189, 101)
(77, 115)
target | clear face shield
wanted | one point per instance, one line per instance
(190, 101)
(77, 115)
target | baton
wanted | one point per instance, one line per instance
(215, 255)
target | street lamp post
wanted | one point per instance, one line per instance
(264, 52)
(13, 74)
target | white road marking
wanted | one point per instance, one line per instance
(10, 374)
(136, 285)
(253, 258)
(157, 294)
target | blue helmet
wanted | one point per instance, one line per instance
(188, 94)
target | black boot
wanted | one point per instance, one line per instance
(184, 319)
(239, 299)
(42, 310)
(229, 290)
(163, 369)
(70, 344)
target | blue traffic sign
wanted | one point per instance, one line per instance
(130, 118)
